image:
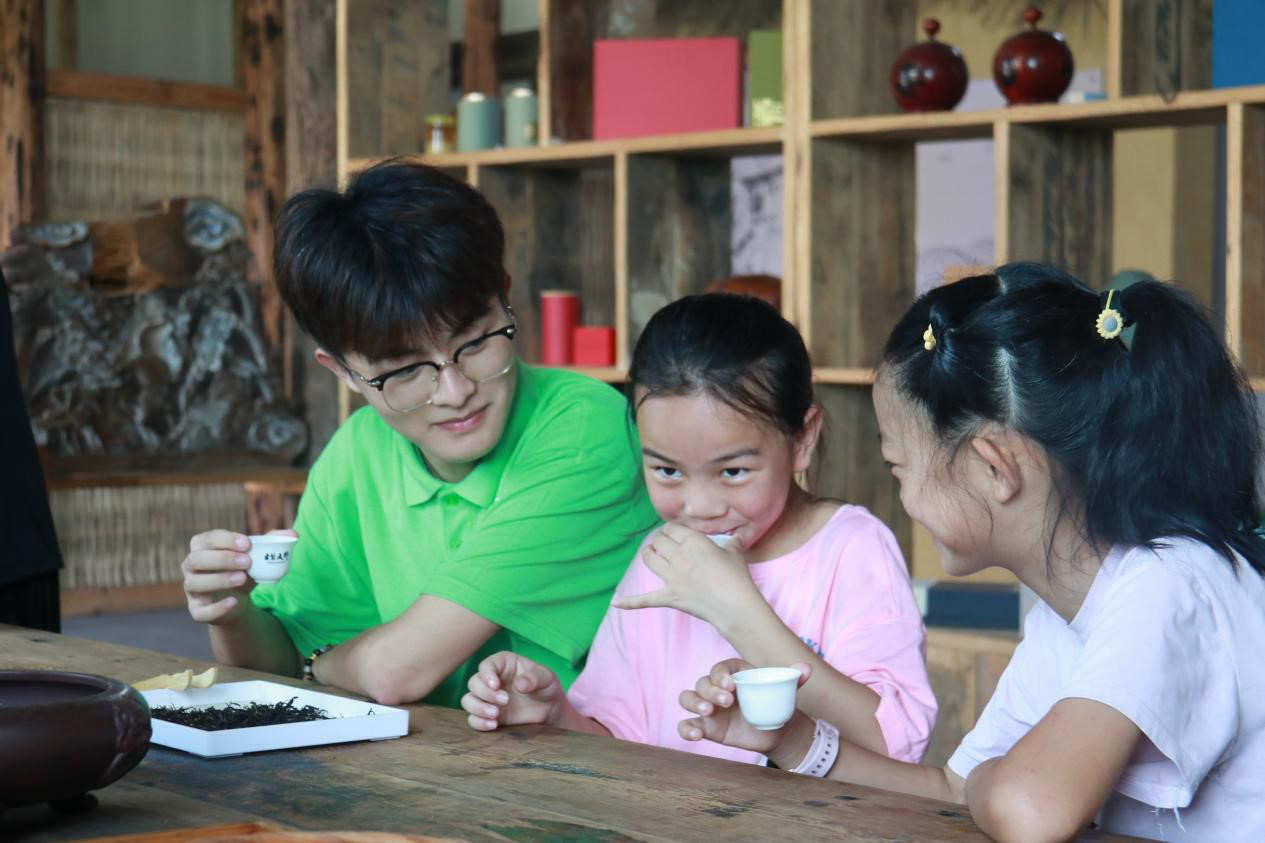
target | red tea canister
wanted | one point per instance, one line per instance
(559, 316)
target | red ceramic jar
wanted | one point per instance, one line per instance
(1033, 65)
(930, 75)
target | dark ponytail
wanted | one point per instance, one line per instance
(1156, 430)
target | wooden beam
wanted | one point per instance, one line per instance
(262, 50)
(572, 25)
(311, 160)
(478, 65)
(21, 114)
(102, 86)
(67, 34)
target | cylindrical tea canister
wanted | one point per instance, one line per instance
(478, 122)
(521, 117)
(559, 314)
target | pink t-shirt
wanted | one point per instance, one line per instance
(845, 593)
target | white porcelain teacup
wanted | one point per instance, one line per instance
(766, 695)
(723, 540)
(270, 557)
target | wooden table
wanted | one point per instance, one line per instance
(444, 779)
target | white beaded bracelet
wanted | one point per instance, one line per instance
(822, 754)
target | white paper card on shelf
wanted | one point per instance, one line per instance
(351, 720)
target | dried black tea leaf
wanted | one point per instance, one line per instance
(238, 715)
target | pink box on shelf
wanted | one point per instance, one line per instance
(593, 345)
(657, 86)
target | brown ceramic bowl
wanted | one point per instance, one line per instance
(64, 734)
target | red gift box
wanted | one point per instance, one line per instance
(593, 345)
(660, 86)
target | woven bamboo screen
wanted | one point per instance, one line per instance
(107, 159)
(137, 535)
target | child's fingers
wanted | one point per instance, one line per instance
(805, 672)
(481, 724)
(481, 715)
(722, 672)
(495, 667)
(713, 693)
(691, 729)
(695, 702)
(649, 600)
(481, 688)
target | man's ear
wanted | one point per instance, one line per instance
(806, 440)
(999, 459)
(340, 371)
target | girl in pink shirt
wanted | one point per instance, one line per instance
(748, 564)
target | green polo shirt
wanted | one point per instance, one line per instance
(534, 539)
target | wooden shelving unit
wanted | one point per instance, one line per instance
(632, 224)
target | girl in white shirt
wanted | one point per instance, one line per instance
(1103, 448)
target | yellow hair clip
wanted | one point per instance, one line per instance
(928, 339)
(1110, 323)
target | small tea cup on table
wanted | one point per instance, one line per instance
(270, 557)
(766, 695)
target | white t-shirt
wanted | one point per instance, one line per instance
(1173, 639)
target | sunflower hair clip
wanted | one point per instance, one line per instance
(1110, 322)
(928, 339)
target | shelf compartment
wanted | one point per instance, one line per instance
(571, 26)
(849, 465)
(559, 234)
(679, 216)
(862, 265)
(1061, 202)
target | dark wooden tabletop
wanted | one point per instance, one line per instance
(446, 780)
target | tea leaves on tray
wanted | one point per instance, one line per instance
(238, 715)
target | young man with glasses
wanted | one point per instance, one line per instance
(478, 504)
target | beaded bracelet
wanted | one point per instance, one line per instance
(822, 754)
(308, 673)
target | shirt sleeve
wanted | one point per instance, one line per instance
(884, 647)
(611, 689)
(1155, 656)
(326, 596)
(543, 558)
(1012, 710)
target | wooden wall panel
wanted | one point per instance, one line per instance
(849, 466)
(1166, 46)
(398, 72)
(1059, 199)
(679, 221)
(862, 247)
(865, 37)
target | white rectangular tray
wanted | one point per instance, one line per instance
(353, 720)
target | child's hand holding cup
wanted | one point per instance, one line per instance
(270, 556)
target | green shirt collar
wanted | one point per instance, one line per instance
(480, 485)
